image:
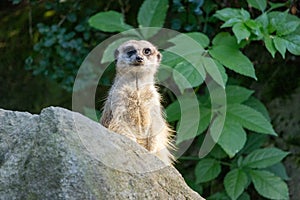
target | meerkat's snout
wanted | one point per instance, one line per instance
(139, 59)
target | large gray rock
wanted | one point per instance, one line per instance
(61, 154)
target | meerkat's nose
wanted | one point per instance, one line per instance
(139, 59)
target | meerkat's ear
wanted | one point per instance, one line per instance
(116, 54)
(159, 56)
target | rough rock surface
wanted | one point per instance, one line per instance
(61, 154)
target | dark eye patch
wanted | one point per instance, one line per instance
(147, 51)
(131, 52)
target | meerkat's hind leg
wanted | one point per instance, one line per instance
(161, 145)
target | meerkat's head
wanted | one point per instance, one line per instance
(137, 56)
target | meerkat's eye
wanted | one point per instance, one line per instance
(147, 51)
(131, 52)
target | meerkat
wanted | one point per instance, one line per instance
(133, 107)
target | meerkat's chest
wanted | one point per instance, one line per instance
(138, 107)
(137, 98)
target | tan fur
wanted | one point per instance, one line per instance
(133, 105)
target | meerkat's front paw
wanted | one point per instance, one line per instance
(129, 135)
(164, 155)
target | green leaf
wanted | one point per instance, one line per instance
(263, 20)
(280, 45)
(218, 152)
(186, 76)
(151, 16)
(110, 21)
(244, 196)
(163, 74)
(207, 169)
(227, 14)
(279, 170)
(152, 13)
(215, 71)
(268, 185)
(191, 183)
(189, 108)
(232, 138)
(245, 15)
(288, 27)
(283, 23)
(16, 1)
(233, 59)
(277, 19)
(201, 38)
(255, 28)
(231, 22)
(293, 43)
(258, 105)
(205, 115)
(224, 38)
(262, 158)
(241, 32)
(237, 94)
(235, 182)
(49, 42)
(254, 141)
(185, 46)
(252, 24)
(270, 45)
(191, 51)
(173, 112)
(258, 4)
(187, 131)
(250, 118)
(276, 5)
(222, 70)
(170, 59)
(219, 196)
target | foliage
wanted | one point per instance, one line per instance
(241, 159)
(237, 146)
(61, 47)
(278, 30)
